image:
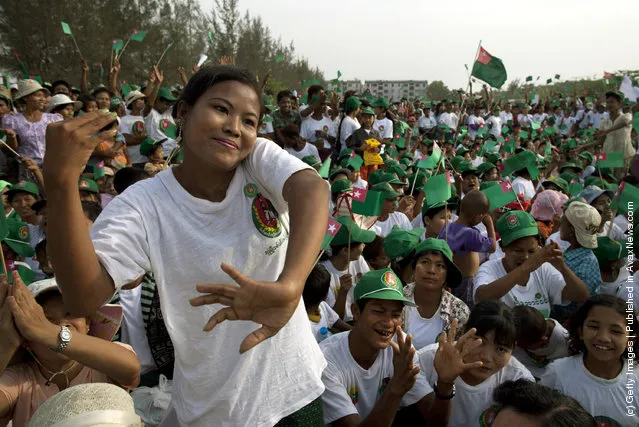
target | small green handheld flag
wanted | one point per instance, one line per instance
(279, 58)
(138, 36)
(66, 29)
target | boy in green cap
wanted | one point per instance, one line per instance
(21, 198)
(382, 124)
(17, 248)
(346, 265)
(521, 164)
(612, 256)
(160, 118)
(153, 150)
(370, 376)
(389, 216)
(89, 190)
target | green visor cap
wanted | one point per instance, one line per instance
(453, 276)
(357, 235)
(570, 165)
(18, 238)
(86, 184)
(367, 110)
(559, 182)
(516, 225)
(381, 284)
(385, 187)
(341, 186)
(485, 167)
(148, 145)
(400, 243)
(311, 161)
(165, 93)
(384, 178)
(609, 250)
(25, 187)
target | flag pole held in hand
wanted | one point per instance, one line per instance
(67, 30)
(157, 64)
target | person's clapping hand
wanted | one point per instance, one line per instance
(9, 335)
(28, 314)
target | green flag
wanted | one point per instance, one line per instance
(431, 161)
(354, 161)
(26, 273)
(279, 58)
(169, 129)
(575, 187)
(101, 70)
(548, 81)
(339, 74)
(609, 160)
(635, 124)
(331, 230)
(489, 69)
(437, 188)
(500, 195)
(509, 146)
(117, 44)
(138, 36)
(535, 125)
(626, 199)
(66, 29)
(400, 142)
(529, 79)
(210, 38)
(557, 76)
(325, 168)
(372, 205)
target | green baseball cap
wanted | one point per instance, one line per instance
(586, 155)
(367, 110)
(516, 225)
(381, 284)
(86, 184)
(400, 243)
(380, 102)
(493, 157)
(18, 238)
(4, 184)
(570, 165)
(25, 187)
(148, 145)
(352, 104)
(357, 234)
(568, 176)
(383, 178)
(341, 186)
(310, 160)
(397, 170)
(385, 187)
(485, 167)
(487, 184)
(468, 167)
(338, 171)
(559, 182)
(609, 250)
(165, 93)
(453, 276)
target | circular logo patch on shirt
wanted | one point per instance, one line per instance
(325, 128)
(537, 295)
(139, 129)
(606, 422)
(23, 232)
(250, 190)
(164, 124)
(389, 279)
(487, 418)
(381, 128)
(265, 217)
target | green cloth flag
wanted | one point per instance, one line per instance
(609, 160)
(489, 69)
(210, 38)
(138, 36)
(626, 199)
(279, 58)
(400, 142)
(557, 76)
(170, 130)
(529, 79)
(26, 273)
(635, 124)
(339, 74)
(575, 188)
(372, 206)
(437, 188)
(523, 135)
(500, 195)
(101, 70)
(325, 168)
(548, 81)
(535, 125)
(126, 89)
(354, 161)
(431, 161)
(331, 230)
(509, 146)
(117, 44)
(66, 29)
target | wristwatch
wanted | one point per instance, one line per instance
(65, 339)
(440, 397)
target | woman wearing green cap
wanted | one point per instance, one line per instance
(436, 308)
(349, 123)
(238, 209)
(527, 274)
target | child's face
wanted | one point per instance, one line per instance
(66, 112)
(470, 182)
(604, 334)
(378, 321)
(493, 356)
(389, 206)
(356, 251)
(367, 121)
(90, 107)
(88, 196)
(106, 185)
(436, 224)
(103, 100)
(492, 175)
(157, 154)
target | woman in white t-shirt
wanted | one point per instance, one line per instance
(229, 201)
(349, 123)
(473, 397)
(602, 378)
(527, 274)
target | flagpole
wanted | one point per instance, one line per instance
(474, 59)
(76, 46)
(612, 223)
(157, 64)
(10, 149)
(414, 181)
(124, 47)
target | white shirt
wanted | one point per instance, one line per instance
(470, 401)
(156, 225)
(349, 126)
(356, 269)
(134, 125)
(525, 120)
(536, 361)
(382, 228)
(424, 330)
(328, 317)
(612, 288)
(495, 125)
(310, 126)
(525, 187)
(153, 122)
(361, 183)
(554, 237)
(266, 126)
(543, 289)
(587, 120)
(454, 121)
(308, 150)
(629, 290)
(568, 122)
(384, 127)
(427, 122)
(602, 398)
(351, 389)
(474, 120)
(505, 117)
(598, 117)
(133, 330)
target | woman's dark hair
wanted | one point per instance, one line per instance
(61, 82)
(284, 94)
(317, 286)
(85, 98)
(126, 177)
(59, 108)
(100, 90)
(373, 249)
(489, 316)
(212, 75)
(610, 301)
(312, 91)
(430, 213)
(91, 210)
(531, 325)
(547, 406)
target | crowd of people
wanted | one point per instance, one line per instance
(198, 255)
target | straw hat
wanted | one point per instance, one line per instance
(94, 405)
(61, 99)
(134, 95)
(5, 94)
(27, 87)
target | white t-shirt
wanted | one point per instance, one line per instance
(612, 288)
(156, 225)
(384, 127)
(308, 150)
(382, 228)
(543, 289)
(423, 329)
(474, 120)
(568, 122)
(427, 122)
(628, 291)
(604, 399)
(133, 330)
(266, 126)
(505, 117)
(356, 269)
(351, 389)
(525, 187)
(525, 120)
(536, 361)
(597, 118)
(328, 317)
(495, 125)
(361, 183)
(310, 126)
(134, 125)
(554, 237)
(153, 122)
(349, 126)
(470, 402)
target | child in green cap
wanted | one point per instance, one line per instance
(389, 217)
(371, 374)
(612, 257)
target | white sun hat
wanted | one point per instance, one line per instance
(26, 87)
(62, 99)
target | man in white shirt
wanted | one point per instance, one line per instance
(319, 127)
(160, 119)
(427, 121)
(494, 122)
(506, 115)
(598, 116)
(382, 124)
(388, 217)
(525, 119)
(474, 122)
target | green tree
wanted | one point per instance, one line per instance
(437, 91)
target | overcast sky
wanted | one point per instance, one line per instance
(432, 40)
